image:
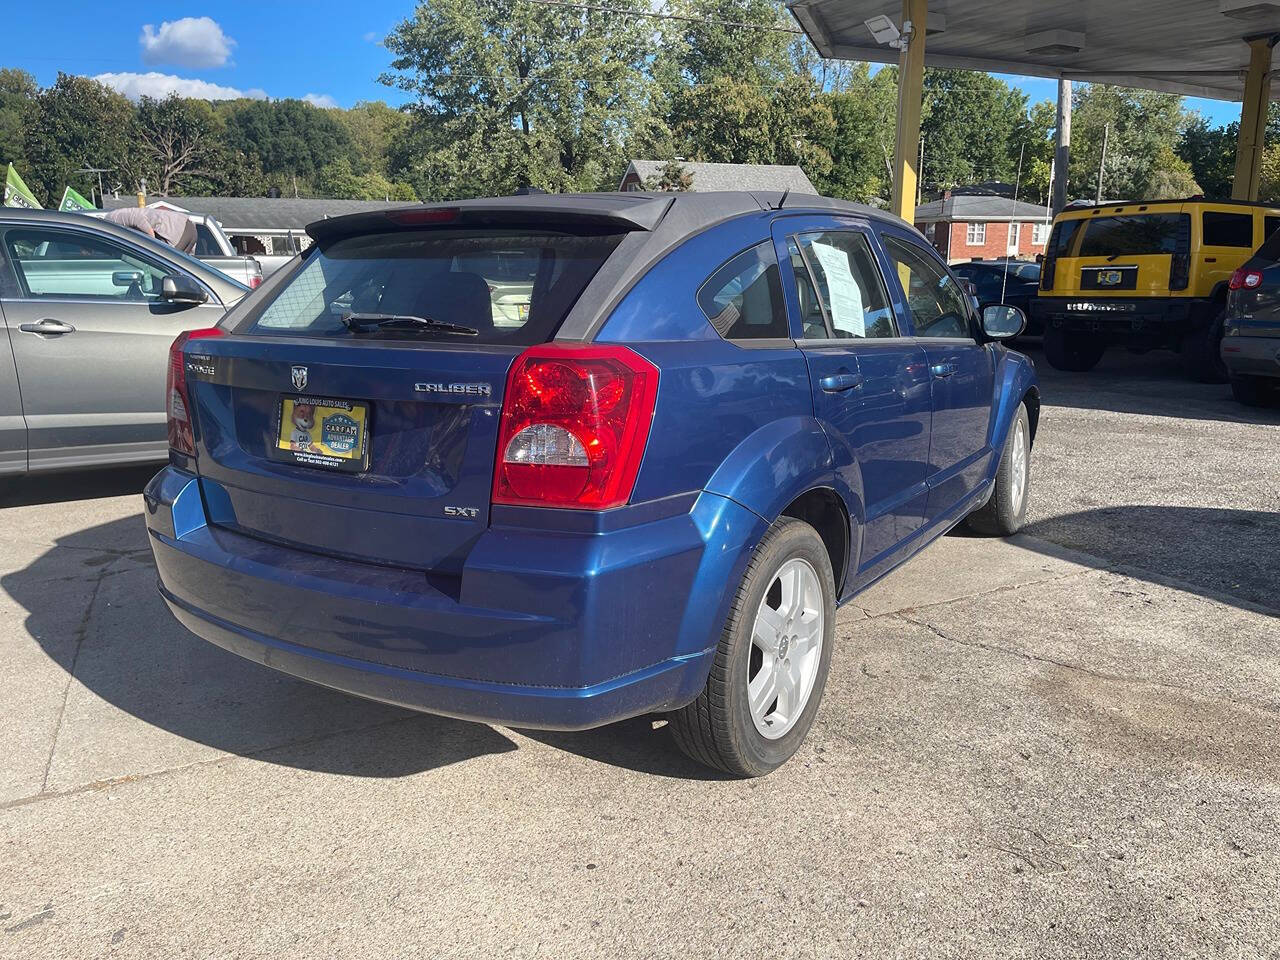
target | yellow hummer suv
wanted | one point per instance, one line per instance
(1145, 275)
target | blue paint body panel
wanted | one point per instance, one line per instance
(562, 618)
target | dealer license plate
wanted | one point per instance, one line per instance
(323, 432)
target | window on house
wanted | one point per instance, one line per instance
(975, 234)
(1014, 235)
(1039, 234)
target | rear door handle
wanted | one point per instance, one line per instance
(50, 327)
(841, 382)
(943, 370)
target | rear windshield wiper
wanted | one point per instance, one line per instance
(369, 322)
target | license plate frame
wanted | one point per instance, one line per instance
(329, 426)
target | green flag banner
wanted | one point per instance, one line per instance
(16, 193)
(73, 201)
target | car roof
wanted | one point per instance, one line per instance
(652, 224)
(1133, 206)
(227, 287)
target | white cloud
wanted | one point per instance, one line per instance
(153, 84)
(190, 42)
(371, 36)
(320, 100)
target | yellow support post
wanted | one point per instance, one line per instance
(1253, 120)
(910, 101)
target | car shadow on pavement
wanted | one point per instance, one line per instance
(642, 744)
(1221, 553)
(92, 606)
(70, 487)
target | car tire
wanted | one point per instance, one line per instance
(1072, 352)
(1253, 391)
(1004, 514)
(776, 668)
(1202, 352)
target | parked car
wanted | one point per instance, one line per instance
(1015, 282)
(88, 310)
(722, 415)
(215, 247)
(1251, 335)
(1145, 275)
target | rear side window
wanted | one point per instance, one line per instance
(1133, 235)
(840, 270)
(743, 299)
(206, 245)
(1227, 229)
(1270, 249)
(511, 287)
(1269, 226)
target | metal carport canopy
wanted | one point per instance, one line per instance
(1191, 47)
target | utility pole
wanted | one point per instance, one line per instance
(1062, 151)
(1102, 163)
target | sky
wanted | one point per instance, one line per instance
(325, 52)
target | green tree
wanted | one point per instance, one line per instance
(1210, 152)
(78, 122)
(972, 128)
(674, 177)
(512, 92)
(179, 140)
(290, 137)
(1139, 124)
(733, 121)
(17, 92)
(729, 38)
(376, 130)
(862, 136)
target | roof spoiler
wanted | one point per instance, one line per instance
(618, 212)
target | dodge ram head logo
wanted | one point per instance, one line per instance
(299, 375)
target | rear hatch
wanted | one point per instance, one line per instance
(354, 410)
(1253, 306)
(1119, 252)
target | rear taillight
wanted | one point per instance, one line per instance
(178, 402)
(575, 421)
(1244, 279)
(255, 282)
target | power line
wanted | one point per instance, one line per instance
(667, 16)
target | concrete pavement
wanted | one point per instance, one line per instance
(1025, 749)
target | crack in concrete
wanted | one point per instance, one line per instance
(1087, 671)
(82, 631)
(994, 591)
(262, 754)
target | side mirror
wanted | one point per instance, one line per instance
(178, 288)
(126, 278)
(1002, 322)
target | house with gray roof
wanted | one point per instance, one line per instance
(983, 226)
(706, 177)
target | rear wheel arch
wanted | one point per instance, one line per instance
(824, 509)
(1031, 400)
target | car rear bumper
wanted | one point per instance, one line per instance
(548, 629)
(1121, 318)
(1252, 356)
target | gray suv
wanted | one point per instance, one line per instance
(88, 310)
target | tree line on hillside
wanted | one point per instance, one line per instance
(512, 93)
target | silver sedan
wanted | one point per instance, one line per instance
(88, 310)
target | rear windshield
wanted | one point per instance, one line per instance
(510, 287)
(1131, 235)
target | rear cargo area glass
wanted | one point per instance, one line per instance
(512, 287)
(1132, 235)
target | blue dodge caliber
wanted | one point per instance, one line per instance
(554, 461)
